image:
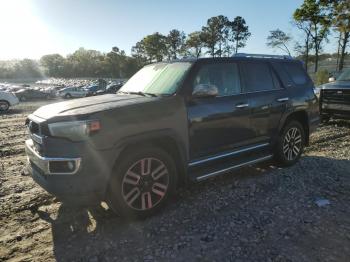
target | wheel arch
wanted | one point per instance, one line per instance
(8, 103)
(164, 139)
(300, 116)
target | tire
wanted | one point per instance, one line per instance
(287, 153)
(67, 96)
(23, 98)
(134, 193)
(4, 106)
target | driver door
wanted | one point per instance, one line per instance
(222, 123)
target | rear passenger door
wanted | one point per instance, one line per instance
(267, 98)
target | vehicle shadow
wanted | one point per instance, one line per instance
(93, 233)
(75, 228)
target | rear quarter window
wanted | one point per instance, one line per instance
(257, 77)
(296, 73)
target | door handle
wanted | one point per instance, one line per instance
(283, 99)
(243, 105)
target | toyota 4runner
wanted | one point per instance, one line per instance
(172, 122)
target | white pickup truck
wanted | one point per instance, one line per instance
(7, 99)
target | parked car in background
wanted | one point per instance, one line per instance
(32, 94)
(92, 90)
(7, 99)
(72, 92)
(171, 123)
(335, 97)
(110, 89)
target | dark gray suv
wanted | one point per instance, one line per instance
(171, 123)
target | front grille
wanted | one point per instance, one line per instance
(335, 96)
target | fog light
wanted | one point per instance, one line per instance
(62, 167)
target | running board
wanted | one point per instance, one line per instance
(225, 170)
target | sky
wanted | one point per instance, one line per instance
(32, 28)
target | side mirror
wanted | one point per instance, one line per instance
(205, 90)
(331, 79)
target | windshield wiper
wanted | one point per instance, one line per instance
(138, 93)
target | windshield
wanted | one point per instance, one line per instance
(162, 78)
(345, 76)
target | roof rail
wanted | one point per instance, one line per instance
(262, 56)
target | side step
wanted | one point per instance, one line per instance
(230, 168)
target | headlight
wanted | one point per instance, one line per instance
(317, 92)
(75, 130)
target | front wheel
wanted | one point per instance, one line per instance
(4, 106)
(142, 182)
(67, 96)
(290, 144)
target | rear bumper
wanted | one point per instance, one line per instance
(85, 185)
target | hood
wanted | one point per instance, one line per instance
(89, 105)
(336, 85)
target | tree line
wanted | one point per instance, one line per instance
(219, 37)
(316, 19)
(82, 63)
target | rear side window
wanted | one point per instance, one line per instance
(224, 76)
(257, 77)
(296, 72)
(276, 82)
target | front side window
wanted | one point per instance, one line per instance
(225, 77)
(158, 79)
(257, 77)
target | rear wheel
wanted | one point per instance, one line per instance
(4, 106)
(142, 182)
(23, 98)
(291, 144)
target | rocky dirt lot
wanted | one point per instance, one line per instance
(255, 214)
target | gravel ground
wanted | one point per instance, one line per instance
(259, 213)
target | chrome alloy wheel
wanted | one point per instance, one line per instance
(292, 144)
(145, 184)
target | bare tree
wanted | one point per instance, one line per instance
(279, 39)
